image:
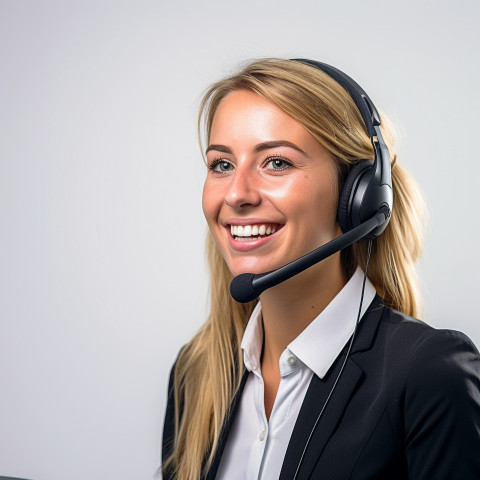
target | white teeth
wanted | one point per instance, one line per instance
(249, 239)
(251, 232)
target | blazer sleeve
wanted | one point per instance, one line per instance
(442, 409)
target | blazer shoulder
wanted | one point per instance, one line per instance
(434, 368)
(417, 341)
(440, 398)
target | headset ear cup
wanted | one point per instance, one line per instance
(343, 212)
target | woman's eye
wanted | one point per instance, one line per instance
(221, 166)
(278, 164)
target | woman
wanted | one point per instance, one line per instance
(273, 388)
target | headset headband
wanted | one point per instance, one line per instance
(367, 109)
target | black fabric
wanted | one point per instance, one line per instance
(407, 407)
(343, 212)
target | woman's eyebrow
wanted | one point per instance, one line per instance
(278, 143)
(218, 148)
(259, 147)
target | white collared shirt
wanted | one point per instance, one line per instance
(256, 447)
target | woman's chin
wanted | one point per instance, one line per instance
(251, 267)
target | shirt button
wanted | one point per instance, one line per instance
(261, 437)
(292, 361)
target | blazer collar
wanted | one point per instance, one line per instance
(317, 394)
(368, 326)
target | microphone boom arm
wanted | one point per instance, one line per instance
(248, 286)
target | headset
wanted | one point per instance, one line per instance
(365, 202)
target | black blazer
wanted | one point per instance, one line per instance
(407, 406)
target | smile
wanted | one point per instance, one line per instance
(252, 232)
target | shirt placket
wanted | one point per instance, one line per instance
(290, 371)
(258, 447)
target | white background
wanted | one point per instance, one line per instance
(102, 276)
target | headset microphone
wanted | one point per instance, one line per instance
(365, 202)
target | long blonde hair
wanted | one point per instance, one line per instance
(209, 369)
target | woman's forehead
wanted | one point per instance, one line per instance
(243, 114)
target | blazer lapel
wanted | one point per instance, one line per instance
(316, 396)
(313, 403)
(227, 425)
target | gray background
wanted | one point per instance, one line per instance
(102, 276)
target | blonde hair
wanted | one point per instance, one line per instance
(209, 369)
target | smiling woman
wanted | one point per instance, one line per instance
(286, 144)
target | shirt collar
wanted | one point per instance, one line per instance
(321, 342)
(252, 341)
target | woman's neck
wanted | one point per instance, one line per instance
(290, 307)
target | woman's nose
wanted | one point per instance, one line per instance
(243, 191)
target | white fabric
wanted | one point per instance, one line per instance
(255, 447)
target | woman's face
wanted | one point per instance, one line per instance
(270, 195)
